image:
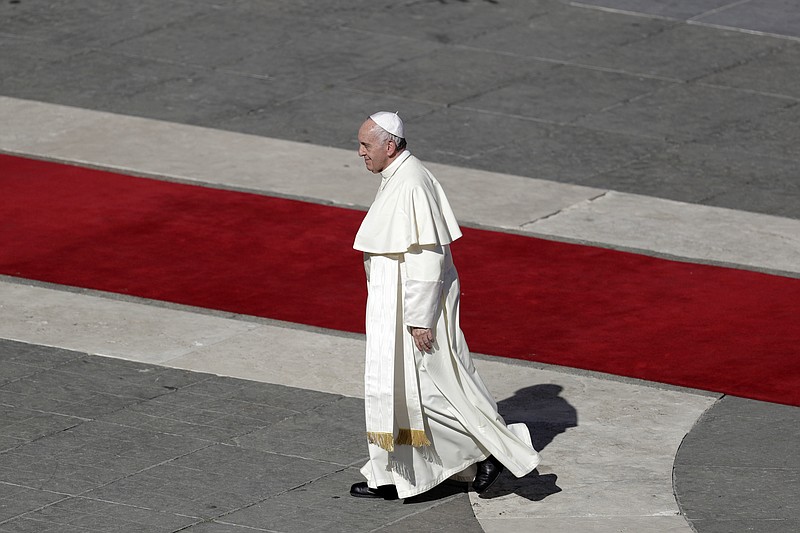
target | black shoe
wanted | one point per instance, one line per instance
(361, 490)
(488, 472)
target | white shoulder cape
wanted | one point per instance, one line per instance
(410, 208)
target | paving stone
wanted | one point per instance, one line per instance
(91, 515)
(738, 465)
(318, 505)
(422, 20)
(220, 527)
(558, 92)
(113, 80)
(65, 23)
(452, 517)
(31, 425)
(743, 525)
(686, 113)
(310, 118)
(422, 78)
(333, 432)
(782, 63)
(770, 16)
(680, 9)
(34, 355)
(567, 33)
(664, 53)
(694, 173)
(524, 147)
(738, 492)
(16, 500)
(768, 133)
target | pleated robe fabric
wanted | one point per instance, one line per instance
(459, 414)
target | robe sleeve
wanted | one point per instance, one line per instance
(422, 287)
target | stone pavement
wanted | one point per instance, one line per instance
(584, 108)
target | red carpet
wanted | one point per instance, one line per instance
(706, 327)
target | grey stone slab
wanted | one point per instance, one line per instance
(93, 79)
(711, 176)
(455, 516)
(275, 396)
(270, 48)
(57, 476)
(333, 432)
(567, 33)
(198, 424)
(782, 64)
(125, 464)
(9, 443)
(524, 147)
(219, 527)
(686, 113)
(34, 355)
(559, 93)
(737, 466)
(131, 373)
(89, 407)
(215, 38)
(773, 201)
(324, 505)
(35, 425)
(55, 384)
(88, 23)
(681, 9)
(665, 53)
(423, 21)
(25, 525)
(771, 16)
(769, 132)
(15, 500)
(91, 515)
(738, 492)
(744, 433)
(13, 371)
(311, 118)
(744, 525)
(204, 484)
(468, 74)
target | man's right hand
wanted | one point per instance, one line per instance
(423, 339)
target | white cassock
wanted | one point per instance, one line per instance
(429, 415)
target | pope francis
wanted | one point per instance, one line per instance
(429, 416)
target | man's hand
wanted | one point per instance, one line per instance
(423, 339)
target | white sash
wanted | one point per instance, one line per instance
(391, 399)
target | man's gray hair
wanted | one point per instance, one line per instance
(384, 135)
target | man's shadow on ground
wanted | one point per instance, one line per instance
(547, 415)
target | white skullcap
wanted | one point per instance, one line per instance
(389, 122)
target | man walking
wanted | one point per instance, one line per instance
(429, 415)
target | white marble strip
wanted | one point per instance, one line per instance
(505, 202)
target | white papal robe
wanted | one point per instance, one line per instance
(412, 281)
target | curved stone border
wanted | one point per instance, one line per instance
(738, 469)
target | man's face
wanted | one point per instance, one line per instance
(374, 151)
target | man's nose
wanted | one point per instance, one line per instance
(361, 151)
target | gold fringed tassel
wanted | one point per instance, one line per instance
(413, 437)
(384, 440)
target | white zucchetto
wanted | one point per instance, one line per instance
(389, 122)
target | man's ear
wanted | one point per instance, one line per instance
(391, 148)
